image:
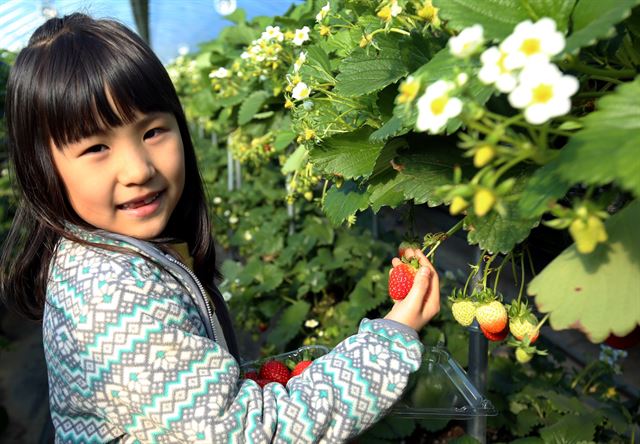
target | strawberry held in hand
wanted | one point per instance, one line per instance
(300, 367)
(401, 279)
(275, 371)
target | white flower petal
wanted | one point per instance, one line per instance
(520, 97)
(537, 114)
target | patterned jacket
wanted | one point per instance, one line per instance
(135, 353)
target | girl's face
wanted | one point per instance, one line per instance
(129, 179)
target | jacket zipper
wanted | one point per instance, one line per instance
(202, 292)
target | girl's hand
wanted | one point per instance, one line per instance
(423, 301)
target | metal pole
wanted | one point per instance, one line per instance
(230, 166)
(478, 363)
(238, 175)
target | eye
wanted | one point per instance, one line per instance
(95, 149)
(154, 132)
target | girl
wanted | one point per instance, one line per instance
(139, 346)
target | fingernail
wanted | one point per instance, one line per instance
(424, 271)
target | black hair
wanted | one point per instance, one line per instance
(79, 76)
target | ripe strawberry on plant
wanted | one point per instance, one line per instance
(492, 316)
(274, 371)
(401, 279)
(495, 337)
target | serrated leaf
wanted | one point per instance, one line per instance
(368, 70)
(606, 150)
(497, 17)
(349, 155)
(594, 20)
(340, 203)
(387, 191)
(570, 428)
(251, 106)
(289, 323)
(295, 160)
(498, 233)
(392, 127)
(426, 168)
(596, 293)
(317, 66)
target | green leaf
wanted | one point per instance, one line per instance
(500, 233)
(392, 127)
(606, 150)
(595, 293)
(349, 155)
(289, 323)
(571, 428)
(426, 167)
(238, 16)
(594, 20)
(295, 160)
(387, 192)
(368, 70)
(497, 17)
(251, 106)
(543, 187)
(317, 66)
(340, 203)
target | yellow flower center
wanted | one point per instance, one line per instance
(408, 91)
(503, 70)
(438, 105)
(530, 46)
(542, 93)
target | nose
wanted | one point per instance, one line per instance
(135, 166)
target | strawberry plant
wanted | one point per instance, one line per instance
(511, 115)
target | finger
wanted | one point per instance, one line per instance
(432, 303)
(422, 259)
(420, 286)
(395, 262)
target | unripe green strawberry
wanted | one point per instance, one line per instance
(483, 201)
(523, 356)
(521, 327)
(458, 205)
(492, 316)
(401, 280)
(464, 312)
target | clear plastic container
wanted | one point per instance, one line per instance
(307, 352)
(441, 389)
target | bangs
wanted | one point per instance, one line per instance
(96, 84)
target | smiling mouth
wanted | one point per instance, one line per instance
(140, 203)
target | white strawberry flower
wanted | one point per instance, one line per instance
(300, 91)
(300, 61)
(301, 36)
(543, 92)
(532, 43)
(311, 323)
(467, 42)
(395, 8)
(219, 73)
(493, 71)
(272, 33)
(435, 107)
(323, 12)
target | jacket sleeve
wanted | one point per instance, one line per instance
(151, 372)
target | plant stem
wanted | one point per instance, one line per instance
(497, 278)
(521, 278)
(586, 69)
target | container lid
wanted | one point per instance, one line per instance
(441, 389)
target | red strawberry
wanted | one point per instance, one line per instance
(263, 382)
(401, 280)
(624, 342)
(495, 337)
(492, 316)
(299, 368)
(251, 375)
(275, 371)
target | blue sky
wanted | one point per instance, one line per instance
(173, 23)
